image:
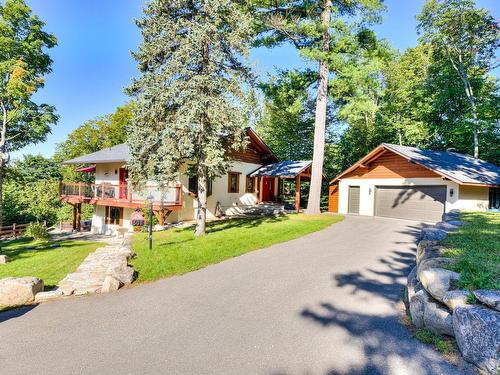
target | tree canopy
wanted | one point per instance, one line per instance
(189, 97)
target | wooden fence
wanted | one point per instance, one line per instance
(13, 230)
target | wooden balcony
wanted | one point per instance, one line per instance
(106, 194)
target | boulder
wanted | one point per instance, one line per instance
(4, 259)
(125, 274)
(417, 307)
(432, 234)
(428, 250)
(19, 291)
(48, 296)
(452, 215)
(66, 287)
(438, 319)
(456, 223)
(439, 262)
(412, 287)
(110, 284)
(455, 298)
(447, 226)
(491, 298)
(438, 281)
(477, 332)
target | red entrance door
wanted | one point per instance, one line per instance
(267, 189)
(123, 189)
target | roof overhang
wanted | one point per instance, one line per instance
(379, 150)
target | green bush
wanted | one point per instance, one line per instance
(428, 337)
(38, 231)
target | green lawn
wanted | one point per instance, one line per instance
(49, 264)
(477, 249)
(177, 251)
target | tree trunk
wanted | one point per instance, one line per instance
(313, 204)
(3, 156)
(1, 192)
(475, 130)
(201, 212)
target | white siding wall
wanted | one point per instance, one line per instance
(231, 203)
(474, 200)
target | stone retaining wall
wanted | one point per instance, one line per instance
(434, 303)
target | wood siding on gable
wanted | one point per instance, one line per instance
(333, 198)
(391, 165)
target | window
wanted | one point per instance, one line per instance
(494, 198)
(114, 215)
(250, 188)
(193, 186)
(233, 182)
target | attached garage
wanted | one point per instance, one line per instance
(425, 203)
(409, 183)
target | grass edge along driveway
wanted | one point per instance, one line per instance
(39, 259)
(178, 251)
(476, 247)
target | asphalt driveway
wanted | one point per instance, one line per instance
(326, 303)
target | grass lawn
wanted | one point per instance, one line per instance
(49, 264)
(177, 251)
(477, 249)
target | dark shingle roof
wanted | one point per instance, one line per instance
(459, 167)
(285, 168)
(118, 153)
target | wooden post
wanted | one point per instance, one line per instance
(297, 193)
(79, 217)
(261, 186)
(79, 189)
(74, 217)
(276, 185)
(14, 230)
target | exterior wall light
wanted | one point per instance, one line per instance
(452, 191)
(370, 191)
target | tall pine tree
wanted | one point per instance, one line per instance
(189, 95)
(323, 31)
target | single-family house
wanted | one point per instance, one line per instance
(256, 175)
(410, 183)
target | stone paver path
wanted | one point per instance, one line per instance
(110, 260)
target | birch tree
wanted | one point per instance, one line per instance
(466, 38)
(23, 64)
(189, 94)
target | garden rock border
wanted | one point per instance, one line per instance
(436, 304)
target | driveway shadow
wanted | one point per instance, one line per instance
(15, 312)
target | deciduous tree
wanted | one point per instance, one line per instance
(23, 64)
(465, 38)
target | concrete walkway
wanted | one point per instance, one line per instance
(326, 303)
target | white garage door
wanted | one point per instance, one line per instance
(424, 203)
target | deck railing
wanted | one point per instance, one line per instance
(120, 192)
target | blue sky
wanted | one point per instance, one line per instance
(92, 62)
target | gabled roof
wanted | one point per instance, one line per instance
(463, 169)
(286, 168)
(115, 154)
(120, 153)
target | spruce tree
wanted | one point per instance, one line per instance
(189, 94)
(323, 31)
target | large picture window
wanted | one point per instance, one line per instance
(114, 215)
(233, 182)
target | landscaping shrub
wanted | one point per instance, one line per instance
(38, 231)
